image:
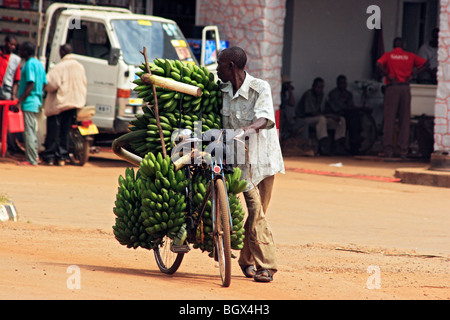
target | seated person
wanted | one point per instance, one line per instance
(340, 102)
(291, 126)
(312, 108)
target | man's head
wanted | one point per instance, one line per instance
(65, 49)
(398, 43)
(318, 86)
(10, 44)
(230, 61)
(26, 50)
(341, 82)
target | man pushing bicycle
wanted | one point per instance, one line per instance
(248, 105)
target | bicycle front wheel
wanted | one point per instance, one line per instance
(168, 262)
(221, 233)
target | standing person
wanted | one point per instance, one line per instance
(312, 108)
(9, 80)
(429, 51)
(9, 69)
(398, 67)
(31, 86)
(248, 105)
(67, 89)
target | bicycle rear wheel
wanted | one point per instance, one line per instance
(168, 262)
(221, 233)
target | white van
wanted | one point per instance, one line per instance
(108, 41)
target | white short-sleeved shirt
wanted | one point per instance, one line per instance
(252, 101)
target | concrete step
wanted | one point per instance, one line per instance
(424, 176)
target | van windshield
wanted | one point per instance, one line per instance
(162, 40)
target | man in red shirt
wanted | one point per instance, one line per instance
(399, 67)
(9, 80)
(9, 70)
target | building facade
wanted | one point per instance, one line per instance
(257, 26)
(442, 107)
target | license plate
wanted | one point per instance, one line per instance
(135, 102)
(92, 129)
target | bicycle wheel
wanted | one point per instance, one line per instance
(168, 262)
(221, 232)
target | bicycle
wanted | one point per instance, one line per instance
(169, 254)
(169, 257)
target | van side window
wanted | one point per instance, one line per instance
(90, 40)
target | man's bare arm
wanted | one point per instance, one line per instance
(259, 124)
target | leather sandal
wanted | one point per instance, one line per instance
(249, 271)
(263, 275)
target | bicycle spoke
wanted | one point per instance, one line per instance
(167, 261)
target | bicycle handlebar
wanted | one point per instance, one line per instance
(186, 139)
(193, 142)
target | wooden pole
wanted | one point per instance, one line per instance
(161, 135)
(168, 83)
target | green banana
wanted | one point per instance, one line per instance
(151, 203)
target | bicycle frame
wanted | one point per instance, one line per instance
(216, 172)
(219, 174)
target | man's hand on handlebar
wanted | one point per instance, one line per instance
(259, 124)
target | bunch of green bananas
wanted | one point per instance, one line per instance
(236, 185)
(129, 229)
(237, 216)
(209, 101)
(176, 110)
(163, 203)
(233, 181)
(204, 240)
(148, 138)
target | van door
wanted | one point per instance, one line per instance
(211, 46)
(91, 45)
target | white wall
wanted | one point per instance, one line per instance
(331, 38)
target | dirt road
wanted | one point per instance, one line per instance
(337, 238)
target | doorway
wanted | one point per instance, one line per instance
(418, 20)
